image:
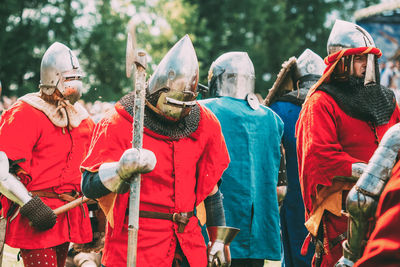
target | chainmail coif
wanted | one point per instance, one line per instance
(175, 130)
(371, 103)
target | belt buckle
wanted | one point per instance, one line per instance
(174, 216)
(181, 225)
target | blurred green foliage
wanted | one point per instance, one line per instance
(271, 31)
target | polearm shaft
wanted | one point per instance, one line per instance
(137, 142)
(71, 205)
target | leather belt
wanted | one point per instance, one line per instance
(182, 218)
(337, 240)
(66, 196)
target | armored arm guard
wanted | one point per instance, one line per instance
(215, 210)
(39, 214)
(220, 235)
(363, 198)
(116, 176)
(357, 169)
(11, 186)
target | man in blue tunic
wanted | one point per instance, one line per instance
(253, 135)
(286, 97)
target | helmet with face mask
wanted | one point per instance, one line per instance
(231, 74)
(349, 35)
(60, 70)
(172, 89)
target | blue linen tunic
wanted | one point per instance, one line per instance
(292, 210)
(249, 184)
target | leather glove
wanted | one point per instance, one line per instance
(134, 161)
(39, 214)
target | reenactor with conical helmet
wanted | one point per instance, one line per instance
(182, 159)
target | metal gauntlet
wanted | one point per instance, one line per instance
(116, 176)
(220, 235)
(218, 249)
(39, 214)
(136, 161)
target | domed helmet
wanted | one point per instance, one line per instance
(349, 35)
(309, 63)
(60, 70)
(172, 89)
(232, 74)
(310, 67)
(296, 73)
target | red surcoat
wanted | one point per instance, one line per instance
(328, 142)
(186, 172)
(383, 247)
(52, 160)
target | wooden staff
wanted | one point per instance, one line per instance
(138, 59)
(71, 205)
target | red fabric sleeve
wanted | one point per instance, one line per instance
(19, 131)
(108, 142)
(320, 154)
(383, 247)
(215, 158)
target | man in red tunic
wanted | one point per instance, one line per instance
(44, 137)
(383, 247)
(186, 141)
(345, 115)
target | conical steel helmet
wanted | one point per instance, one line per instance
(232, 74)
(174, 82)
(178, 70)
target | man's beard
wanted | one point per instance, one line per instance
(356, 82)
